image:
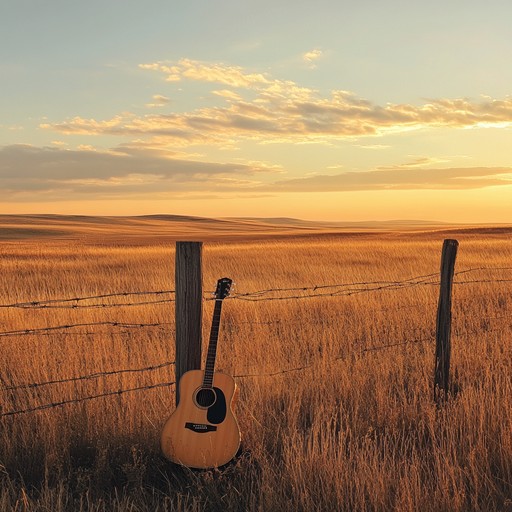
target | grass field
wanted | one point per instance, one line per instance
(354, 429)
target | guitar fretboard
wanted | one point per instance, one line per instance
(212, 346)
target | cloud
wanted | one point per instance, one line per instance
(311, 57)
(28, 172)
(158, 101)
(79, 125)
(373, 146)
(399, 178)
(226, 93)
(206, 72)
(417, 161)
(263, 109)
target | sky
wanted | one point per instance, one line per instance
(325, 110)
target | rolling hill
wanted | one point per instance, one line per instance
(142, 229)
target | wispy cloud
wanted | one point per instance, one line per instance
(234, 76)
(158, 101)
(263, 109)
(418, 162)
(226, 93)
(399, 178)
(254, 107)
(373, 146)
(49, 173)
(30, 172)
(311, 57)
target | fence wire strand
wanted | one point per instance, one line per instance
(43, 330)
(345, 289)
(238, 376)
(91, 376)
(341, 289)
(84, 399)
(46, 303)
(163, 384)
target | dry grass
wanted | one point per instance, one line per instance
(355, 430)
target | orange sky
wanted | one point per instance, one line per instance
(241, 112)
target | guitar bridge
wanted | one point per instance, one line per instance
(200, 428)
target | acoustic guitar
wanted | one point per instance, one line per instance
(203, 431)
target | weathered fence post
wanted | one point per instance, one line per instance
(189, 308)
(444, 320)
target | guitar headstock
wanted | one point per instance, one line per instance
(223, 288)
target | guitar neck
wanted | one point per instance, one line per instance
(212, 345)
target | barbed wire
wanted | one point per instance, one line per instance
(84, 399)
(258, 296)
(102, 305)
(376, 348)
(272, 374)
(164, 384)
(346, 289)
(340, 358)
(91, 376)
(45, 303)
(45, 330)
(484, 281)
(478, 269)
(336, 359)
(53, 333)
(262, 295)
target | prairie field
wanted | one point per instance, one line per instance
(330, 335)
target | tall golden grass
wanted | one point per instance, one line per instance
(354, 429)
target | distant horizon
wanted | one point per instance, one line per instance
(251, 109)
(149, 229)
(269, 219)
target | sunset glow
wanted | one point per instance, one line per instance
(330, 111)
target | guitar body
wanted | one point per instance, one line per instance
(203, 431)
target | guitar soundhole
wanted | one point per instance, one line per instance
(205, 397)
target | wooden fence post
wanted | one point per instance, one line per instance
(189, 308)
(444, 320)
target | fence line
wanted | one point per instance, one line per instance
(364, 350)
(390, 285)
(99, 305)
(91, 376)
(343, 289)
(34, 303)
(170, 363)
(259, 294)
(84, 399)
(43, 330)
(166, 384)
(336, 359)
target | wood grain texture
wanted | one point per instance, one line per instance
(444, 319)
(205, 449)
(189, 307)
